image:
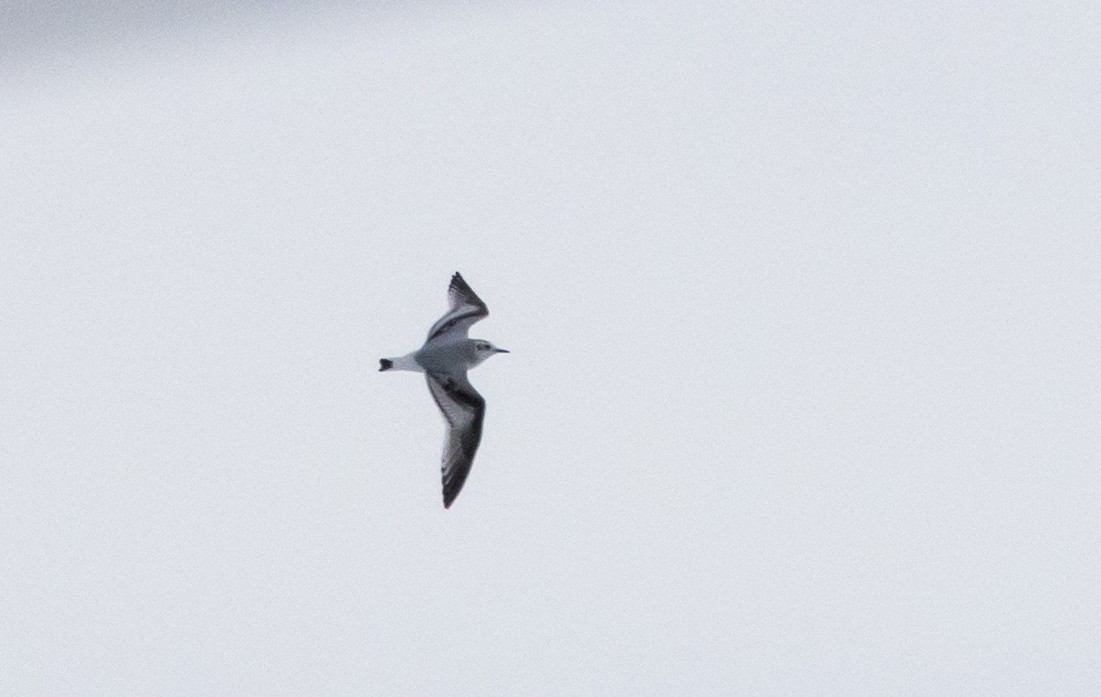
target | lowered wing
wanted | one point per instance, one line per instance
(464, 410)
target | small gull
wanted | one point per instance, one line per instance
(444, 359)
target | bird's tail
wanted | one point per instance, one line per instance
(399, 363)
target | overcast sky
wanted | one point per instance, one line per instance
(805, 321)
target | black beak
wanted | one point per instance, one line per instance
(501, 350)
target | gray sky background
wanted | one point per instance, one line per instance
(805, 319)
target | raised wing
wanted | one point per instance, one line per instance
(464, 410)
(464, 309)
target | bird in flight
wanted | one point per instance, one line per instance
(444, 359)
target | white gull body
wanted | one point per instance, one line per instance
(445, 358)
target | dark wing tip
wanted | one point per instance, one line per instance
(459, 283)
(451, 491)
(462, 289)
(453, 481)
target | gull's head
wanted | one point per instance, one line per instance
(483, 350)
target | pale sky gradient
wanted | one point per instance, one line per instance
(805, 318)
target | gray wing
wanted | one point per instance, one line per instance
(464, 410)
(464, 308)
